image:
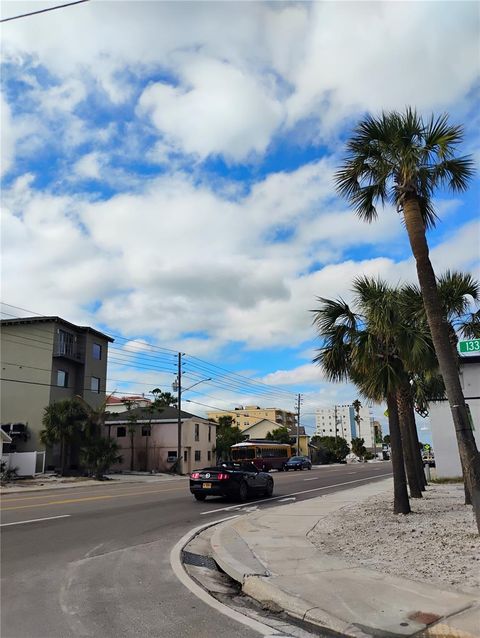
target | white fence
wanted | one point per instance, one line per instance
(26, 463)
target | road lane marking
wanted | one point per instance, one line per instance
(314, 489)
(289, 498)
(314, 478)
(36, 520)
(67, 492)
(87, 498)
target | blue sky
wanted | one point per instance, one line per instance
(167, 175)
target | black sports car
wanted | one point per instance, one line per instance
(234, 480)
(297, 463)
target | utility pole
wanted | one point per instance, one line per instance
(336, 424)
(298, 423)
(179, 415)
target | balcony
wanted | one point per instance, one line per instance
(68, 351)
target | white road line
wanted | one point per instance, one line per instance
(314, 489)
(314, 478)
(290, 498)
(36, 520)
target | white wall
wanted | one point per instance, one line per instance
(447, 459)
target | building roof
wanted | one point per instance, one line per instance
(111, 400)
(53, 319)
(167, 414)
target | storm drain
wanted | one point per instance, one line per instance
(199, 561)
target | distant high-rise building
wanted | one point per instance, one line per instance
(345, 425)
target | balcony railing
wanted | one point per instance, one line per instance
(68, 351)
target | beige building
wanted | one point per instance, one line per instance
(46, 359)
(244, 417)
(155, 440)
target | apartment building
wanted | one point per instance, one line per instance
(245, 416)
(345, 426)
(46, 359)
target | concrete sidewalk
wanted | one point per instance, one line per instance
(269, 553)
(55, 483)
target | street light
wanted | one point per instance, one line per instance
(177, 387)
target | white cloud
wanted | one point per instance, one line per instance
(234, 73)
(89, 166)
(219, 109)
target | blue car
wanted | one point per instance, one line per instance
(298, 463)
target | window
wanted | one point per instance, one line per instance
(62, 378)
(97, 351)
(95, 384)
(185, 456)
(198, 455)
(172, 453)
(209, 433)
(146, 430)
(209, 456)
(121, 431)
(197, 434)
(66, 342)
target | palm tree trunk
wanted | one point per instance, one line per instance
(401, 504)
(62, 455)
(467, 447)
(407, 442)
(417, 454)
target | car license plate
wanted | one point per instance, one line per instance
(206, 486)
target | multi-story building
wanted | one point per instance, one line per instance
(346, 426)
(46, 359)
(245, 416)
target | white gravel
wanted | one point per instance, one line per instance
(437, 543)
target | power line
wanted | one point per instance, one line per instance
(32, 13)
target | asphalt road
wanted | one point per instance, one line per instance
(98, 564)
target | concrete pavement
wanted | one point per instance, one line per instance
(269, 553)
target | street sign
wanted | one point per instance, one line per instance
(472, 345)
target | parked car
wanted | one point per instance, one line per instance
(233, 480)
(298, 463)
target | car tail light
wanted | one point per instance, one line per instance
(195, 475)
(223, 477)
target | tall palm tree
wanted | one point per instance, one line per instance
(411, 345)
(62, 422)
(402, 159)
(352, 353)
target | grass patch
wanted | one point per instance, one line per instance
(452, 479)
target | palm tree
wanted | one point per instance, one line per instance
(411, 344)
(99, 454)
(400, 158)
(352, 353)
(356, 406)
(62, 422)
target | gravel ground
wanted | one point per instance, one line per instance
(437, 543)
